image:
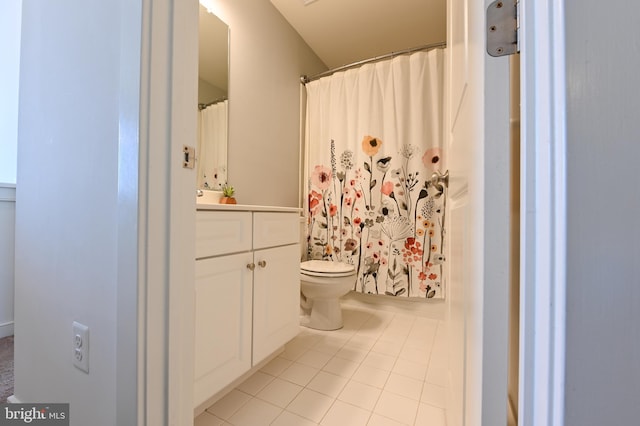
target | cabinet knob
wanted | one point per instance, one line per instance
(262, 263)
(251, 266)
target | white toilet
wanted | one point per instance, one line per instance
(322, 283)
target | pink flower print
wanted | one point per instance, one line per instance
(410, 241)
(432, 276)
(348, 202)
(412, 252)
(352, 183)
(432, 159)
(387, 188)
(321, 177)
(357, 221)
(369, 245)
(315, 204)
(333, 209)
(358, 194)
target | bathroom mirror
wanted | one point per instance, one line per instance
(213, 101)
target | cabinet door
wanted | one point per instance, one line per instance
(223, 322)
(276, 299)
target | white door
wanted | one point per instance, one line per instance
(477, 117)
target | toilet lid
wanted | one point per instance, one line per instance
(324, 268)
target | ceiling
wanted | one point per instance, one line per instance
(341, 32)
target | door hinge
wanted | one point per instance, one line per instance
(503, 26)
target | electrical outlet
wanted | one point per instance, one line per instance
(81, 346)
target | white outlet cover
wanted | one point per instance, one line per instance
(80, 346)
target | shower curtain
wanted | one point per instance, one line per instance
(212, 146)
(373, 139)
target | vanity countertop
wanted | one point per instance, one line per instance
(246, 208)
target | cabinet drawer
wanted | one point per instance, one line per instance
(275, 229)
(222, 233)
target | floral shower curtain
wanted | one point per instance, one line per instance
(212, 146)
(374, 137)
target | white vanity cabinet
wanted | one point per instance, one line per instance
(246, 292)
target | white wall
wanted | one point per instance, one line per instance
(267, 58)
(10, 20)
(66, 206)
(603, 206)
(7, 239)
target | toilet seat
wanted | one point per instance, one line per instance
(324, 268)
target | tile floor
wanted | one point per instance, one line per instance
(381, 369)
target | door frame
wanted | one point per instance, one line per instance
(543, 228)
(543, 213)
(159, 194)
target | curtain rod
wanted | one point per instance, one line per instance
(304, 79)
(203, 106)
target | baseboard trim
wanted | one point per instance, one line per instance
(6, 329)
(7, 193)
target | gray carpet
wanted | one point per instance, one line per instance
(6, 368)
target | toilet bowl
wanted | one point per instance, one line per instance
(322, 283)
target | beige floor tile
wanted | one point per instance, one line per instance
(206, 419)
(255, 383)
(342, 414)
(255, 413)
(279, 392)
(360, 395)
(341, 367)
(430, 415)
(396, 407)
(381, 369)
(327, 384)
(299, 374)
(311, 405)
(287, 418)
(226, 406)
